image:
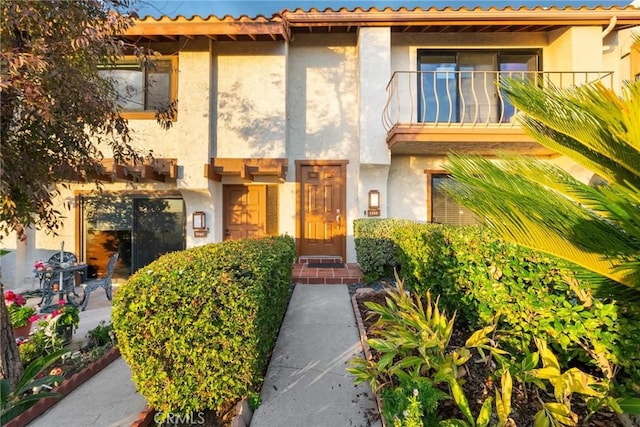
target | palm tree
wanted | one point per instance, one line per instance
(538, 205)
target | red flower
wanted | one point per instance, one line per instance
(61, 302)
(10, 296)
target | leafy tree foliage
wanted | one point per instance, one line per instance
(57, 113)
(539, 205)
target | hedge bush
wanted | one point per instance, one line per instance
(375, 248)
(197, 326)
(535, 295)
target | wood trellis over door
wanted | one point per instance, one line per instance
(322, 209)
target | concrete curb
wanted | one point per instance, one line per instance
(363, 340)
(241, 419)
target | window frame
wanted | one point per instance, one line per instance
(173, 85)
(430, 173)
(496, 55)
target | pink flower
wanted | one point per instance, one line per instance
(61, 302)
(34, 318)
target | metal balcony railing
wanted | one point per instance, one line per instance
(466, 98)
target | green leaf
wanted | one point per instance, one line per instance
(503, 402)
(485, 413)
(461, 399)
(479, 337)
(630, 405)
(530, 362)
(541, 419)
(561, 413)
(409, 361)
(580, 382)
(548, 358)
(547, 373)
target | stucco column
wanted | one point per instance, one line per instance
(374, 72)
(374, 68)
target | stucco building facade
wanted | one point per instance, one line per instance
(301, 122)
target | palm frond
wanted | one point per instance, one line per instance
(591, 121)
(611, 202)
(604, 287)
(509, 197)
(597, 162)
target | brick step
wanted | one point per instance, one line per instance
(303, 274)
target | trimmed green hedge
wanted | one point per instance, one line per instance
(375, 248)
(479, 276)
(197, 326)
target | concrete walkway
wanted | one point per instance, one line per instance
(109, 398)
(306, 383)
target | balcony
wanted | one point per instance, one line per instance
(436, 112)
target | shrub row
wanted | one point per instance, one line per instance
(375, 248)
(534, 295)
(197, 326)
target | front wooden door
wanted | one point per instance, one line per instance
(322, 209)
(244, 211)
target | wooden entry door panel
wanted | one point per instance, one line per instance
(322, 199)
(244, 211)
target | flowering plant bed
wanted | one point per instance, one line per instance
(75, 373)
(479, 381)
(20, 314)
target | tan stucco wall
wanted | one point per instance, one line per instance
(249, 83)
(322, 110)
(619, 56)
(577, 48)
(408, 185)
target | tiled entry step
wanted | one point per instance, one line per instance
(320, 259)
(306, 275)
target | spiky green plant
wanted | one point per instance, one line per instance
(538, 205)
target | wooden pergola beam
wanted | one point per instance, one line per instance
(246, 169)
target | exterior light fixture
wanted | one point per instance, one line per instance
(199, 222)
(374, 203)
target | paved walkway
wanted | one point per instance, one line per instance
(109, 398)
(306, 382)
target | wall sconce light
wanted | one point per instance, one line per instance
(374, 199)
(199, 222)
(374, 203)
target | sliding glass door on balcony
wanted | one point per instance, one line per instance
(461, 87)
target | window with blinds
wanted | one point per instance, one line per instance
(445, 210)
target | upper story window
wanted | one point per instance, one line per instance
(143, 89)
(461, 87)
